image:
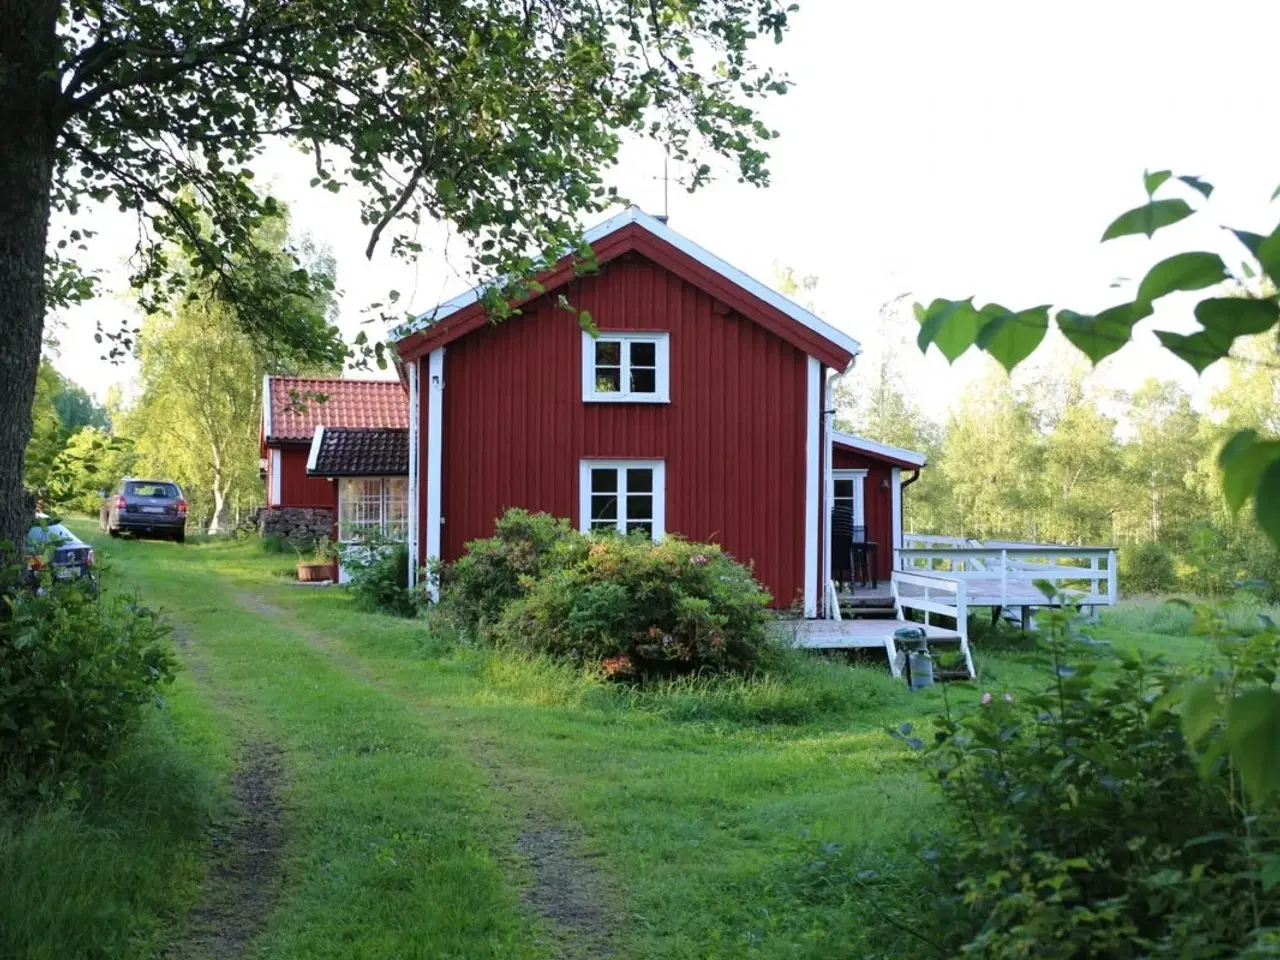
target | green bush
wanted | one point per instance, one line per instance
(379, 572)
(641, 608)
(481, 583)
(1147, 568)
(76, 671)
(1083, 824)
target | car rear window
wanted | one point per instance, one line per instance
(54, 532)
(145, 488)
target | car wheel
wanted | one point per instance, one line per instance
(180, 536)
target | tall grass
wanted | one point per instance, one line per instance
(94, 877)
(798, 688)
(1241, 614)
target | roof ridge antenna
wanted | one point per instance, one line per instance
(665, 217)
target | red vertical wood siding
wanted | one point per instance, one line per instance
(732, 437)
(877, 503)
(299, 490)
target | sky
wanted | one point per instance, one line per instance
(927, 149)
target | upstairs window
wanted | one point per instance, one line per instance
(627, 496)
(625, 367)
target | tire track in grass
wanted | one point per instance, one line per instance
(568, 891)
(243, 884)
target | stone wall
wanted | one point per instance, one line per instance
(301, 526)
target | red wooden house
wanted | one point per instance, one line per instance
(701, 408)
(296, 410)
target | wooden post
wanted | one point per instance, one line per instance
(1111, 576)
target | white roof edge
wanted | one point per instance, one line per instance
(313, 454)
(685, 245)
(266, 405)
(881, 449)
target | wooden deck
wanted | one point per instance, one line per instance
(854, 634)
(869, 634)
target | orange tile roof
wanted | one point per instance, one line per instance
(297, 405)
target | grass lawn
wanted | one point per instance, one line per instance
(439, 801)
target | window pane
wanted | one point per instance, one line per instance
(640, 480)
(640, 508)
(843, 489)
(603, 526)
(644, 381)
(396, 521)
(608, 353)
(361, 512)
(644, 353)
(646, 528)
(604, 507)
(608, 380)
(604, 480)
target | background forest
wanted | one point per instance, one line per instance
(195, 413)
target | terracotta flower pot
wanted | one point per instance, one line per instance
(314, 572)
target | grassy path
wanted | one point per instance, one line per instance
(438, 802)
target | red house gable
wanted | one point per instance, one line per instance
(697, 411)
(635, 231)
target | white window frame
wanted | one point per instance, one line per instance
(659, 493)
(859, 478)
(384, 501)
(662, 372)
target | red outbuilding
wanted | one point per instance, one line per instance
(700, 406)
(295, 408)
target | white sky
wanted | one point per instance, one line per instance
(930, 148)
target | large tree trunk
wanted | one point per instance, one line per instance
(28, 140)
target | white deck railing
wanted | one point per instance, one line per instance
(930, 595)
(1004, 573)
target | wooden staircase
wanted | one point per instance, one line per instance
(885, 608)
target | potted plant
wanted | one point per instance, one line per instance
(319, 567)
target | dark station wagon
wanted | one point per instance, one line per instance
(145, 506)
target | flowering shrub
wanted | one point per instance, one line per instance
(478, 585)
(641, 608)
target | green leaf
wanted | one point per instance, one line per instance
(1148, 218)
(1266, 500)
(1182, 271)
(1097, 337)
(1268, 254)
(1237, 316)
(1253, 732)
(1011, 337)
(1152, 181)
(1199, 710)
(1251, 241)
(1201, 349)
(951, 325)
(1195, 183)
(1275, 193)
(1242, 460)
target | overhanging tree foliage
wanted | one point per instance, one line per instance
(496, 116)
(1250, 462)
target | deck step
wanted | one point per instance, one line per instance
(869, 613)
